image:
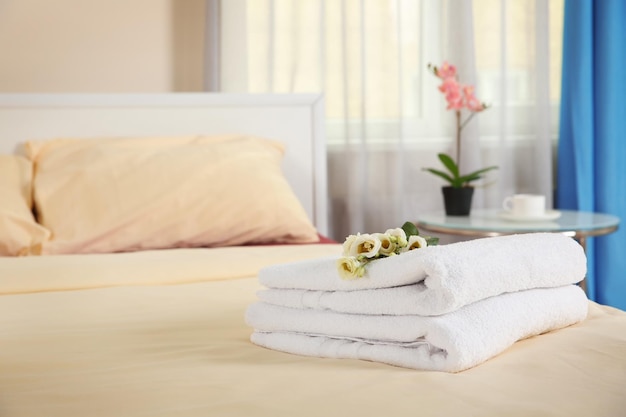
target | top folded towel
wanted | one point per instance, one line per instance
(451, 275)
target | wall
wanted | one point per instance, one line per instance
(101, 46)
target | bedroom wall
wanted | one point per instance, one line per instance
(101, 46)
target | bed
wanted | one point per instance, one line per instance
(160, 331)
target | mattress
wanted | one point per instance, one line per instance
(162, 333)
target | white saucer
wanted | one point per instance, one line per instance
(548, 215)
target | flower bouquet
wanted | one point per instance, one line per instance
(360, 249)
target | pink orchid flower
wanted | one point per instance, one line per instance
(452, 92)
(449, 84)
(471, 102)
(446, 71)
(455, 100)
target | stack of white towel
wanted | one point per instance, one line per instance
(445, 308)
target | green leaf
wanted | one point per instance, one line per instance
(410, 229)
(469, 178)
(441, 174)
(475, 175)
(450, 164)
(432, 241)
(480, 171)
(457, 183)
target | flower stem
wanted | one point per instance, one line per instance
(459, 126)
(467, 120)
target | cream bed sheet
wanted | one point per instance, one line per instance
(141, 349)
(156, 267)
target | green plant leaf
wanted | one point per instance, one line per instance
(432, 241)
(458, 183)
(410, 229)
(449, 164)
(441, 174)
(476, 175)
(469, 178)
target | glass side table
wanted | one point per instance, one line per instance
(484, 223)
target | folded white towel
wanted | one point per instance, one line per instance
(448, 276)
(452, 342)
(407, 299)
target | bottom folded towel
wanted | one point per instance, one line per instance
(452, 342)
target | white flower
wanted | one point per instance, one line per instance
(416, 242)
(365, 245)
(387, 244)
(350, 268)
(397, 232)
(347, 245)
(399, 235)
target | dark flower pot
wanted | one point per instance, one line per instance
(457, 201)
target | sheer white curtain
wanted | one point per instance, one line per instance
(385, 118)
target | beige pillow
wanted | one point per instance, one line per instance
(19, 233)
(110, 195)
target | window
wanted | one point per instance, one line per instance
(369, 58)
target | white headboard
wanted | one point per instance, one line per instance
(294, 119)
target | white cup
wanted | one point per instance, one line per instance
(525, 205)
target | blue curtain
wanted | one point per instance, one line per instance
(592, 142)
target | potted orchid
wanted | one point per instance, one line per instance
(457, 195)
